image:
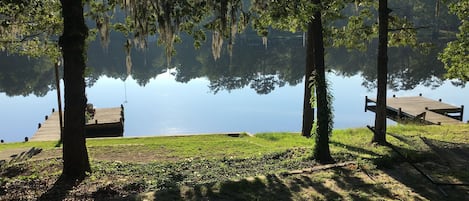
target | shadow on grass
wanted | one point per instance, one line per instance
(441, 169)
(345, 184)
(452, 154)
(355, 149)
(60, 189)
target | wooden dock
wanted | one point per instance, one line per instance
(419, 109)
(107, 122)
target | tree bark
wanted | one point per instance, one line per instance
(308, 109)
(75, 156)
(321, 149)
(380, 115)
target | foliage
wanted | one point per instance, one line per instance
(30, 27)
(34, 77)
(281, 14)
(407, 67)
(361, 26)
(357, 26)
(456, 55)
(169, 18)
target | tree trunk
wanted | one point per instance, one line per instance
(72, 41)
(308, 109)
(321, 149)
(380, 118)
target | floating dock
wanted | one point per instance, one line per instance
(107, 122)
(419, 109)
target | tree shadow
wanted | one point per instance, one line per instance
(170, 188)
(353, 183)
(344, 184)
(377, 159)
(355, 149)
(452, 154)
(304, 182)
(270, 187)
(436, 173)
(404, 139)
(60, 189)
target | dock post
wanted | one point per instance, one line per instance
(53, 110)
(366, 103)
(420, 94)
(399, 112)
(47, 117)
(39, 125)
(439, 100)
(462, 112)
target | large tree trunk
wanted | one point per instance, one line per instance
(321, 149)
(308, 109)
(72, 41)
(380, 118)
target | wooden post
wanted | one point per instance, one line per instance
(462, 112)
(366, 103)
(420, 94)
(399, 112)
(59, 99)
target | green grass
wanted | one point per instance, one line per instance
(345, 144)
(244, 167)
(15, 145)
(202, 146)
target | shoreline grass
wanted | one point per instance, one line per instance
(215, 167)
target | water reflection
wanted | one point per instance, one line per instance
(251, 64)
(21, 76)
(197, 93)
(165, 106)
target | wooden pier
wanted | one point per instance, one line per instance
(107, 122)
(419, 109)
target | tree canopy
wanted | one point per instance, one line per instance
(456, 55)
(408, 66)
(30, 27)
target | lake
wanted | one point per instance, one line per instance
(167, 107)
(257, 89)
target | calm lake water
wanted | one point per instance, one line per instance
(167, 107)
(259, 88)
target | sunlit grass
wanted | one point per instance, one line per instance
(203, 146)
(345, 144)
(41, 144)
(246, 166)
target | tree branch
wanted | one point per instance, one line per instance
(409, 28)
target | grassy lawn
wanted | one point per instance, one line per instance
(268, 166)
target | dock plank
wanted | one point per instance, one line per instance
(414, 106)
(50, 128)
